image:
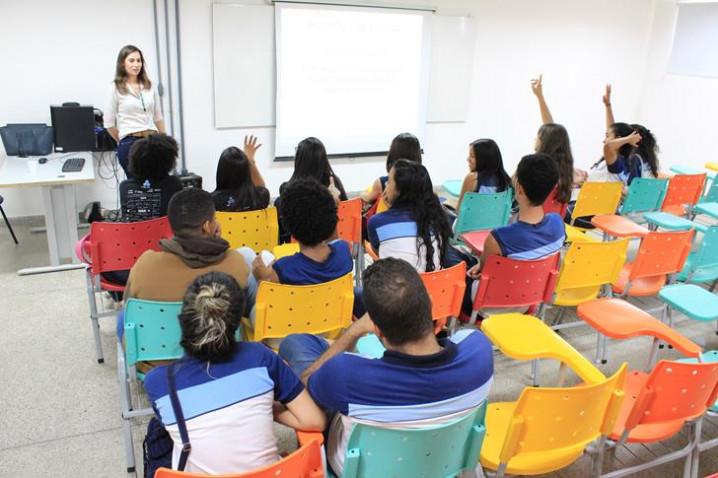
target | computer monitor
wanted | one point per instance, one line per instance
(74, 128)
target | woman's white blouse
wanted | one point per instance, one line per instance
(131, 112)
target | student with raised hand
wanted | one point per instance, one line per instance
(420, 381)
(230, 392)
(619, 152)
(403, 146)
(552, 139)
(486, 170)
(240, 186)
(415, 228)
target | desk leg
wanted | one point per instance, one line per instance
(61, 222)
(50, 225)
(70, 202)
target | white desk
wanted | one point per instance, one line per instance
(58, 195)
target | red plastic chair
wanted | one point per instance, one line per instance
(512, 283)
(552, 205)
(446, 289)
(684, 191)
(306, 462)
(115, 246)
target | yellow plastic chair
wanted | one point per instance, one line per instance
(594, 198)
(548, 428)
(284, 250)
(321, 309)
(258, 230)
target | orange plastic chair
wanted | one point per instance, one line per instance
(659, 255)
(552, 205)
(306, 462)
(446, 291)
(258, 230)
(684, 191)
(349, 228)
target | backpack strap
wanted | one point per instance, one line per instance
(179, 416)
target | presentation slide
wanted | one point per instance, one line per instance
(352, 77)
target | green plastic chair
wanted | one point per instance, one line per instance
(644, 194)
(453, 187)
(702, 264)
(691, 300)
(483, 211)
(671, 222)
(441, 451)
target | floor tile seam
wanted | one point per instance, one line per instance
(43, 442)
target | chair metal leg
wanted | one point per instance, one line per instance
(94, 317)
(358, 265)
(126, 404)
(12, 233)
(599, 342)
(534, 373)
(604, 350)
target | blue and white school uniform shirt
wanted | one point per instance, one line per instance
(299, 269)
(524, 241)
(394, 233)
(227, 408)
(402, 391)
(628, 168)
(488, 185)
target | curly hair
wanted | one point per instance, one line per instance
(308, 211)
(153, 157)
(647, 148)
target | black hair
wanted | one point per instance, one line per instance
(647, 147)
(211, 313)
(311, 162)
(397, 301)
(189, 209)
(554, 141)
(489, 163)
(537, 174)
(416, 194)
(403, 146)
(308, 211)
(233, 174)
(620, 130)
(153, 157)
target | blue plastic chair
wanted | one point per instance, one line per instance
(702, 264)
(644, 194)
(483, 211)
(441, 451)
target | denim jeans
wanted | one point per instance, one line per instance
(302, 350)
(123, 153)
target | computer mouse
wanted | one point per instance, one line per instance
(42, 160)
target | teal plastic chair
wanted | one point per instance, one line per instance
(644, 194)
(671, 222)
(370, 346)
(483, 211)
(453, 187)
(691, 300)
(441, 451)
(682, 169)
(702, 264)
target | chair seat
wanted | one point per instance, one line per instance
(618, 226)
(111, 286)
(618, 319)
(575, 296)
(370, 346)
(453, 187)
(671, 222)
(576, 234)
(675, 209)
(640, 287)
(691, 300)
(498, 419)
(708, 357)
(712, 166)
(645, 433)
(707, 208)
(476, 240)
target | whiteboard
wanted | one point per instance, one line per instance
(243, 40)
(695, 42)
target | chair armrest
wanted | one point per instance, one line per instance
(306, 437)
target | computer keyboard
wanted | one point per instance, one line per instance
(73, 165)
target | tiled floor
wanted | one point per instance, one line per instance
(59, 409)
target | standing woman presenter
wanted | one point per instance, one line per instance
(134, 109)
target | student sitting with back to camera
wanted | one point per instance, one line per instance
(403, 146)
(240, 186)
(421, 381)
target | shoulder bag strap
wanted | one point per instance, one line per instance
(179, 416)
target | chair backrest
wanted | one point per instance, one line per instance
(483, 211)
(712, 194)
(552, 205)
(258, 230)
(662, 253)
(706, 257)
(438, 451)
(596, 198)
(446, 290)
(152, 331)
(507, 282)
(286, 249)
(547, 419)
(644, 194)
(306, 462)
(586, 267)
(283, 309)
(381, 205)
(349, 225)
(116, 246)
(683, 189)
(675, 391)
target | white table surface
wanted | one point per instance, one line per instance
(16, 171)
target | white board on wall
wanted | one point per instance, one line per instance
(695, 42)
(243, 57)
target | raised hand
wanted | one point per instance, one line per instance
(537, 85)
(633, 139)
(607, 95)
(251, 146)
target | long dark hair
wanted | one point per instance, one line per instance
(489, 164)
(416, 194)
(620, 130)
(647, 147)
(233, 175)
(403, 146)
(121, 73)
(553, 140)
(311, 162)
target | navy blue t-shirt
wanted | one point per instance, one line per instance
(299, 269)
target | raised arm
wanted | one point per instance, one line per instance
(537, 88)
(607, 103)
(250, 149)
(611, 147)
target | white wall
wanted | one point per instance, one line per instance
(578, 46)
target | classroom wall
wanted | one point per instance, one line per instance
(578, 46)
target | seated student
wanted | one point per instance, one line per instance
(146, 194)
(230, 393)
(415, 228)
(420, 381)
(486, 170)
(195, 249)
(619, 152)
(403, 146)
(240, 186)
(534, 235)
